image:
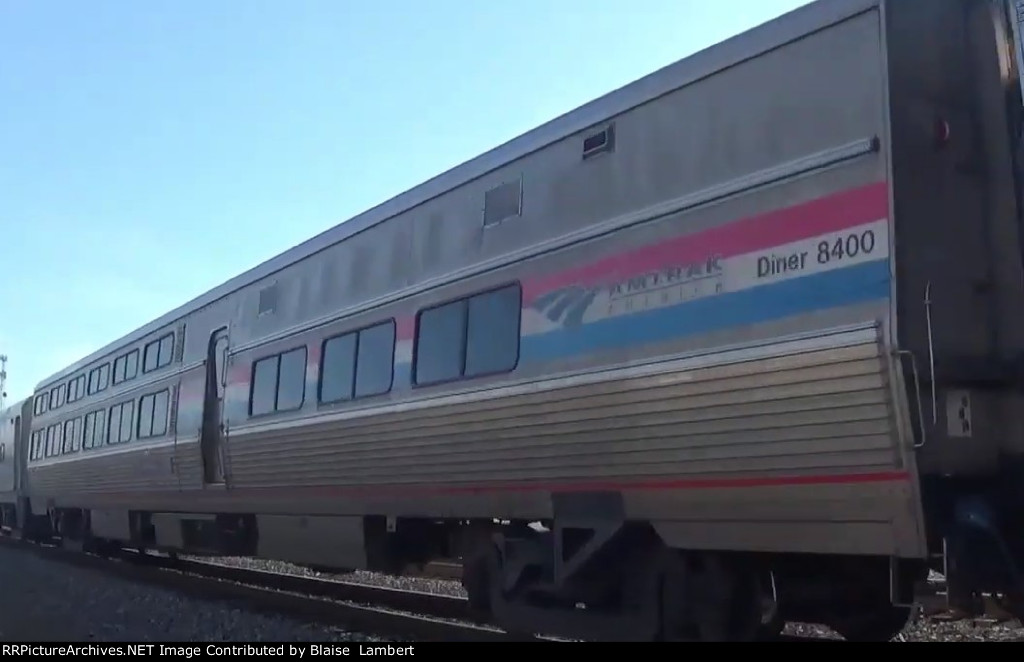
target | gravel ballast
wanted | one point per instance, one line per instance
(46, 600)
(925, 628)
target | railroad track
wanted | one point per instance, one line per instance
(408, 615)
(355, 607)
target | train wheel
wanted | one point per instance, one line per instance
(704, 599)
(880, 625)
(477, 579)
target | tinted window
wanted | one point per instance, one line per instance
(278, 382)
(157, 353)
(114, 425)
(440, 339)
(69, 435)
(475, 336)
(264, 386)
(72, 435)
(153, 415)
(76, 388)
(374, 363)
(49, 441)
(492, 335)
(145, 416)
(151, 354)
(95, 429)
(127, 413)
(337, 374)
(131, 365)
(87, 430)
(99, 378)
(291, 388)
(76, 441)
(160, 408)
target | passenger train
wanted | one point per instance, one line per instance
(737, 344)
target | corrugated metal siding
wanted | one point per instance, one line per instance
(822, 410)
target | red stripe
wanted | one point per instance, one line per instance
(658, 485)
(774, 228)
(583, 486)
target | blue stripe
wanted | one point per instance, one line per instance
(864, 282)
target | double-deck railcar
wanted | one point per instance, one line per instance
(736, 344)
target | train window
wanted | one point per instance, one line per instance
(49, 440)
(441, 335)
(119, 426)
(34, 453)
(69, 437)
(160, 409)
(99, 378)
(61, 392)
(278, 382)
(153, 414)
(95, 429)
(358, 364)
(264, 386)
(158, 353)
(58, 439)
(127, 414)
(76, 388)
(492, 332)
(114, 425)
(471, 337)
(76, 438)
(126, 367)
(375, 360)
(338, 371)
(291, 383)
(131, 365)
(53, 398)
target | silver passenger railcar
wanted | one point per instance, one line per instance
(735, 344)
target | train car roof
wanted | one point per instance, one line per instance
(765, 37)
(14, 406)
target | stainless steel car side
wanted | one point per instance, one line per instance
(736, 344)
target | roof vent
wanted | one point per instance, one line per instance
(600, 142)
(268, 299)
(503, 202)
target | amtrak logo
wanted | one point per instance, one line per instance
(567, 305)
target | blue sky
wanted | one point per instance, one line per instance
(151, 150)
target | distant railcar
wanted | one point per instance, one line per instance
(736, 344)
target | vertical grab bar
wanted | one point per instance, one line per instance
(931, 350)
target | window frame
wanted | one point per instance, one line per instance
(465, 300)
(357, 332)
(277, 380)
(156, 342)
(120, 375)
(138, 419)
